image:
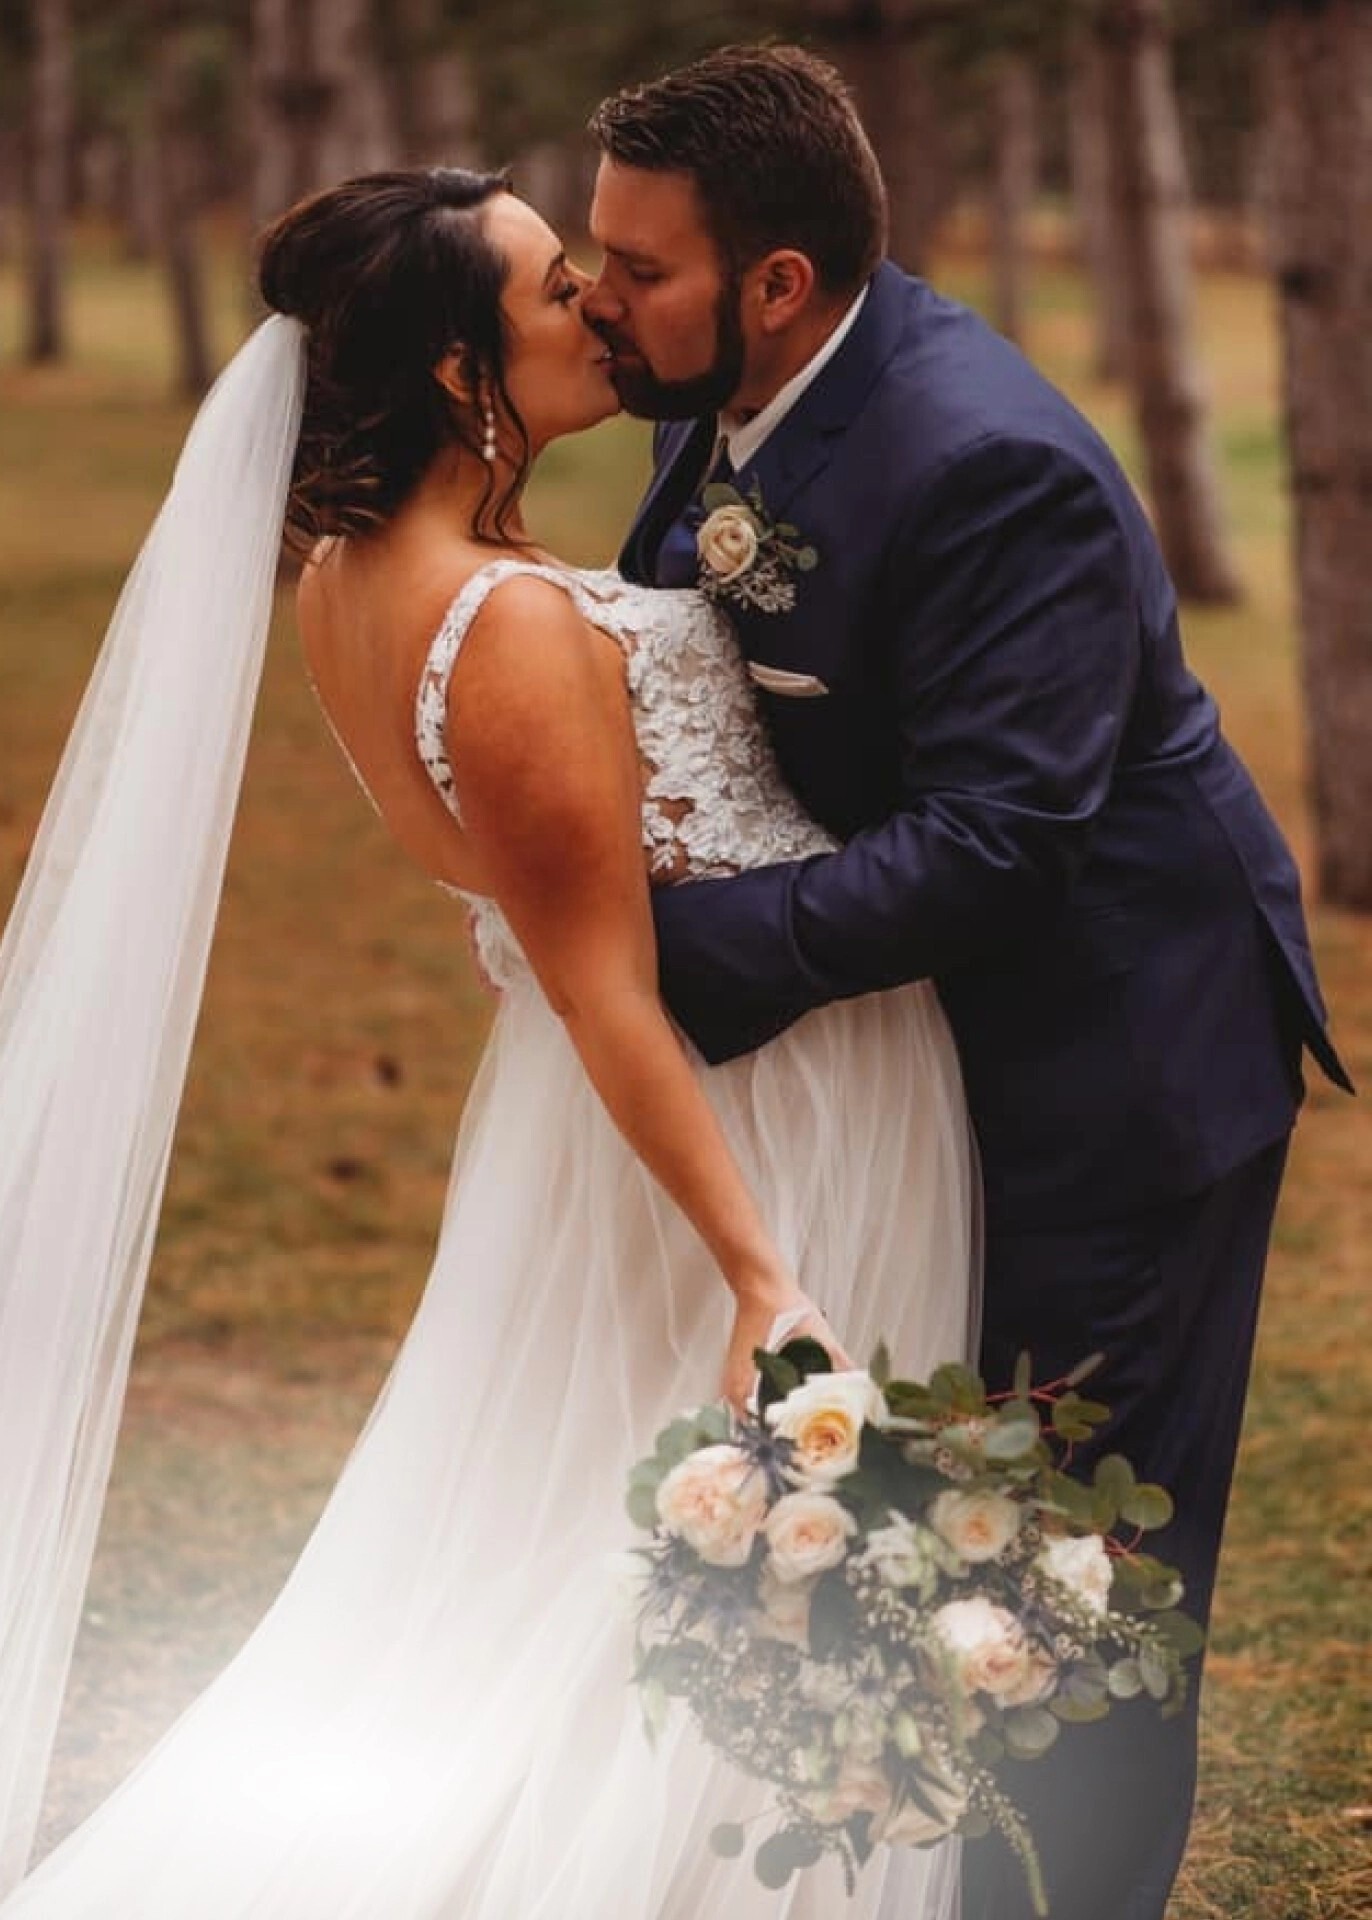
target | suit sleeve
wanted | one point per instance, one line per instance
(1012, 658)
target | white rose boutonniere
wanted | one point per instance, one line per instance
(744, 556)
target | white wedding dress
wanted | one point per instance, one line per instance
(435, 1721)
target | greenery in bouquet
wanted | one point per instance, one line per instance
(872, 1593)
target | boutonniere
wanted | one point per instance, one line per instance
(745, 557)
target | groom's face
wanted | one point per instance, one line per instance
(665, 302)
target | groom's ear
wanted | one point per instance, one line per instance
(782, 284)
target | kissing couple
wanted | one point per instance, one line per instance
(888, 944)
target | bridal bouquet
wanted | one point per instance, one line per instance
(872, 1592)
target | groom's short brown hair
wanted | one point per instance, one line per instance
(773, 143)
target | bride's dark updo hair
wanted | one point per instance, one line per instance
(389, 272)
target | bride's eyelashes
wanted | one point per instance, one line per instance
(565, 295)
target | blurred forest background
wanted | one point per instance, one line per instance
(1169, 206)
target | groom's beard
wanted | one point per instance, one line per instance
(643, 394)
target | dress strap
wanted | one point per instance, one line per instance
(431, 699)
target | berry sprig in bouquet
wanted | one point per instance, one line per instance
(872, 1592)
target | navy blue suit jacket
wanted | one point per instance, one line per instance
(1038, 809)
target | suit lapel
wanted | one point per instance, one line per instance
(681, 453)
(804, 443)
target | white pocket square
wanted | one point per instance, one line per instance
(800, 686)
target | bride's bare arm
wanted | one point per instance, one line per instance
(546, 767)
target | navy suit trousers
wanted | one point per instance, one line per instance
(1170, 1297)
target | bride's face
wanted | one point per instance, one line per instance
(557, 372)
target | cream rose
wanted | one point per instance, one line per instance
(823, 1419)
(716, 1501)
(806, 1534)
(1081, 1564)
(988, 1645)
(977, 1526)
(728, 541)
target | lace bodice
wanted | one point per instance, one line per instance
(713, 799)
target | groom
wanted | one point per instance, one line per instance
(966, 647)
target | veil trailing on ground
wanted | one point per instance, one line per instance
(102, 967)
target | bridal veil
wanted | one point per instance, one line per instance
(102, 967)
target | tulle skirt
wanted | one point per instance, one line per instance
(435, 1721)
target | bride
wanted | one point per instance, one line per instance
(434, 1720)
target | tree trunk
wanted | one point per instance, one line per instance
(10, 193)
(49, 180)
(175, 200)
(1319, 195)
(1149, 201)
(320, 107)
(1090, 162)
(875, 44)
(140, 211)
(1016, 145)
(432, 93)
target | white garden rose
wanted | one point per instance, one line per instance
(823, 1419)
(977, 1526)
(806, 1533)
(1082, 1565)
(988, 1645)
(716, 1501)
(728, 541)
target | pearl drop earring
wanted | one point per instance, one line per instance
(488, 448)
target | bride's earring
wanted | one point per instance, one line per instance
(488, 447)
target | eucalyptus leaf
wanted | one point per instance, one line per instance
(1064, 1495)
(775, 1861)
(1013, 1436)
(641, 1505)
(1184, 1635)
(1114, 1477)
(727, 1839)
(720, 494)
(1079, 1713)
(1147, 1506)
(1126, 1682)
(958, 1387)
(806, 560)
(1104, 1510)
(1029, 1731)
(879, 1366)
(1155, 1672)
(1023, 1384)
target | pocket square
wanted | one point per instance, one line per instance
(799, 686)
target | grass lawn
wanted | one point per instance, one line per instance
(342, 1022)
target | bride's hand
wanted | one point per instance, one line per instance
(753, 1323)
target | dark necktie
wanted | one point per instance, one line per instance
(677, 563)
